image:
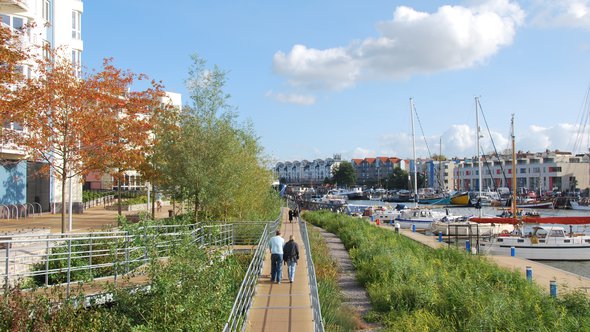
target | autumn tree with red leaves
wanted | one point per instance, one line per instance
(12, 55)
(79, 124)
(133, 117)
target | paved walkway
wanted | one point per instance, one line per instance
(94, 218)
(285, 306)
(542, 274)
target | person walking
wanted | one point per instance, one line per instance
(296, 215)
(275, 245)
(290, 216)
(290, 257)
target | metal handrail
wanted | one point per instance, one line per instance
(313, 285)
(241, 307)
(41, 256)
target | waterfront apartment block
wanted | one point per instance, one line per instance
(306, 172)
(547, 171)
(374, 171)
(56, 23)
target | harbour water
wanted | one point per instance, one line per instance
(581, 268)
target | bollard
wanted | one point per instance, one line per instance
(440, 236)
(468, 246)
(413, 228)
(529, 273)
(397, 227)
(377, 221)
(512, 251)
(553, 288)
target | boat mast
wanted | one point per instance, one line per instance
(414, 152)
(440, 167)
(513, 168)
(478, 133)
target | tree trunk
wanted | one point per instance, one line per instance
(119, 202)
(153, 193)
(63, 199)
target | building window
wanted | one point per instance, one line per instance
(77, 62)
(46, 11)
(13, 21)
(76, 24)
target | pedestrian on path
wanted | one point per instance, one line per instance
(290, 257)
(290, 216)
(275, 245)
(296, 215)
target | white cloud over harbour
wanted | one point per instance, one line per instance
(411, 43)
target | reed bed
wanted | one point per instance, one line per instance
(416, 288)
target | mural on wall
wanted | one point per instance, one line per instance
(13, 177)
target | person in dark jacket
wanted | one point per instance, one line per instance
(291, 216)
(290, 257)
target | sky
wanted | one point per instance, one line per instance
(318, 78)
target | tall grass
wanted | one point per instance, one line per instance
(416, 288)
(336, 316)
(193, 291)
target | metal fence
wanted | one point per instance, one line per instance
(245, 295)
(313, 285)
(36, 259)
(17, 211)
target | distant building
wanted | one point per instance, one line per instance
(545, 171)
(307, 172)
(374, 171)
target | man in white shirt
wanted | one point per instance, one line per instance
(275, 245)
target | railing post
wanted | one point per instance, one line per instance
(145, 244)
(126, 251)
(116, 262)
(47, 261)
(6, 279)
(90, 257)
(69, 268)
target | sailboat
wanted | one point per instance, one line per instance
(547, 240)
(462, 227)
(420, 218)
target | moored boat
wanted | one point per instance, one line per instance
(420, 218)
(461, 199)
(580, 205)
(543, 243)
(464, 227)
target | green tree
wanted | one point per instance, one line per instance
(399, 179)
(344, 174)
(209, 158)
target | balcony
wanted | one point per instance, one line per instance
(14, 6)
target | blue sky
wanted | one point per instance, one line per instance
(318, 78)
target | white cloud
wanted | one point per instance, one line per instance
(363, 153)
(413, 42)
(562, 13)
(291, 98)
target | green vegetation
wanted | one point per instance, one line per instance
(193, 290)
(205, 157)
(336, 316)
(415, 288)
(88, 195)
(344, 175)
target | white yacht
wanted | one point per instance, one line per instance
(543, 243)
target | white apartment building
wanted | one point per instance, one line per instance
(543, 172)
(57, 23)
(307, 172)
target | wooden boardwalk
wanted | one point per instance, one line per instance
(285, 306)
(542, 274)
